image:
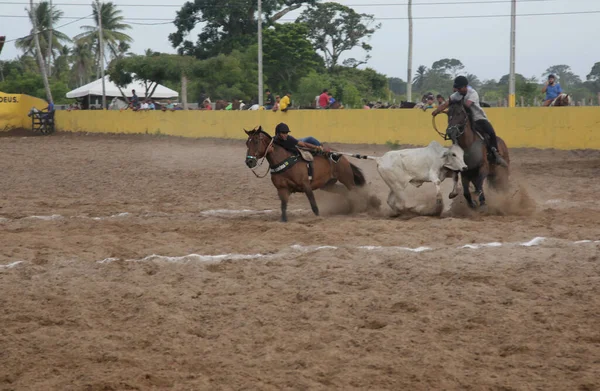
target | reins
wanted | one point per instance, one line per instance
(262, 161)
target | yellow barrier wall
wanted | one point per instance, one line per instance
(560, 127)
(14, 109)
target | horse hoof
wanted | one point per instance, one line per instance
(283, 220)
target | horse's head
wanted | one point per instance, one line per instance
(32, 111)
(457, 120)
(258, 143)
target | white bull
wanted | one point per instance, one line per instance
(433, 163)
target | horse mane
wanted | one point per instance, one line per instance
(256, 130)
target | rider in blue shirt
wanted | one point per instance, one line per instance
(552, 90)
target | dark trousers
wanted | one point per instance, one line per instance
(485, 127)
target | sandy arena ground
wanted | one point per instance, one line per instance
(101, 289)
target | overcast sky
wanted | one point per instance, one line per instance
(482, 44)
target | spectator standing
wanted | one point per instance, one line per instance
(135, 101)
(440, 100)
(270, 101)
(324, 99)
(285, 102)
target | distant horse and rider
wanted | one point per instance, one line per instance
(554, 93)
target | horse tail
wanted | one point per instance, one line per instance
(359, 177)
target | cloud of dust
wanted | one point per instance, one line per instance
(359, 200)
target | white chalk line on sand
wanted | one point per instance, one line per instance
(222, 213)
(300, 249)
(10, 265)
(204, 213)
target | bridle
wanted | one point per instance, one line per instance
(453, 132)
(256, 158)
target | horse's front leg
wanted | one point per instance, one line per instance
(454, 191)
(284, 195)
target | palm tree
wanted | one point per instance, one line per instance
(420, 77)
(45, 17)
(82, 59)
(112, 30)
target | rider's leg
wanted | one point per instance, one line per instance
(311, 140)
(547, 102)
(486, 127)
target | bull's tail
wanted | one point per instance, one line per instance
(359, 177)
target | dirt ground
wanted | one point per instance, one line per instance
(155, 263)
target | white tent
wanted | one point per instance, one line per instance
(95, 88)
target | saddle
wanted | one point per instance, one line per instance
(309, 157)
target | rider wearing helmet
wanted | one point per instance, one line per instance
(552, 90)
(470, 99)
(283, 139)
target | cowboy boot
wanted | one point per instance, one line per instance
(499, 159)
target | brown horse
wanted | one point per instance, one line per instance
(479, 168)
(561, 100)
(289, 172)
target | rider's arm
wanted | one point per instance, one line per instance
(559, 89)
(441, 108)
(545, 87)
(468, 103)
(309, 146)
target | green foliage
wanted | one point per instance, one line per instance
(288, 56)
(310, 86)
(227, 76)
(449, 67)
(113, 28)
(31, 83)
(335, 29)
(227, 25)
(45, 17)
(397, 85)
(566, 77)
(150, 70)
(350, 86)
(594, 74)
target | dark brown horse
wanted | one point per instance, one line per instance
(289, 172)
(479, 168)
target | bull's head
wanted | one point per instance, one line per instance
(454, 158)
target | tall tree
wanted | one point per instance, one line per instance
(82, 60)
(594, 74)
(288, 55)
(227, 25)
(45, 18)
(336, 28)
(150, 70)
(397, 85)
(448, 66)
(473, 80)
(113, 31)
(420, 76)
(565, 76)
(38, 50)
